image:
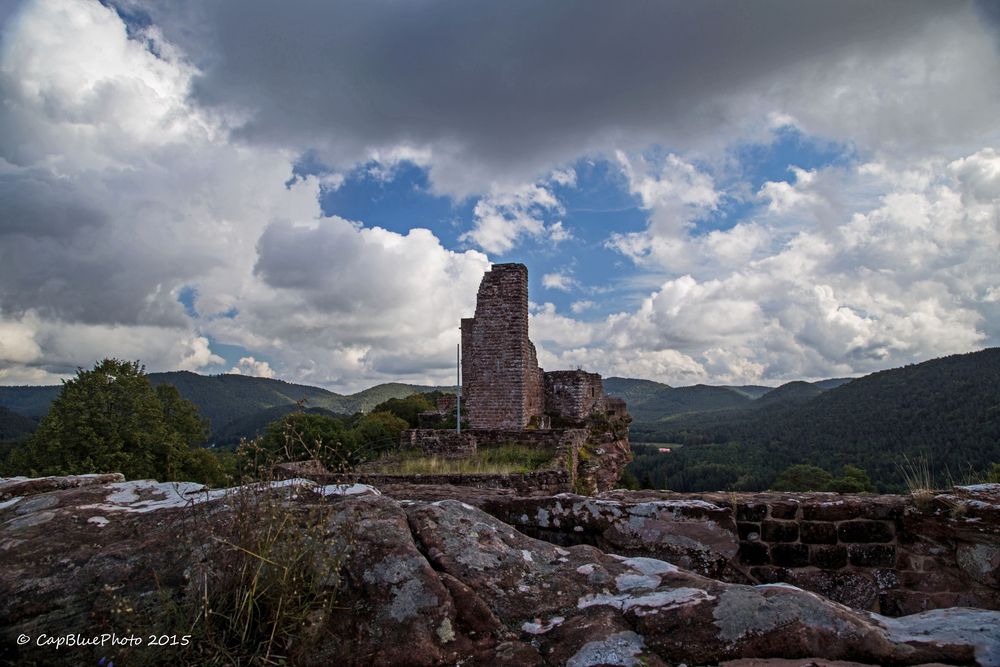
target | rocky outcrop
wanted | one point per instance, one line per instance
(425, 582)
(896, 555)
(694, 534)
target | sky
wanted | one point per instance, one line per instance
(703, 192)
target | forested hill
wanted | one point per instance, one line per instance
(231, 402)
(652, 401)
(946, 410)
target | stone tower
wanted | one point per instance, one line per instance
(502, 386)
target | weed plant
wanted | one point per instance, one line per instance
(262, 584)
(501, 460)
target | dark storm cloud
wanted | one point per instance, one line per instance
(510, 88)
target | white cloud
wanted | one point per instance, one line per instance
(135, 165)
(783, 197)
(564, 177)
(557, 232)
(251, 366)
(883, 267)
(676, 194)
(49, 350)
(119, 191)
(504, 216)
(17, 343)
(559, 281)
(581, 306)
(197, 354)
(386, 161)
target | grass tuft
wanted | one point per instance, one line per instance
(919, 481)
(502, 460)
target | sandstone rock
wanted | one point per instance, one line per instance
(12, 487)
(437, 582)
(694, 534)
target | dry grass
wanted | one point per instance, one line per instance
(917, 476)
(262, 589)
(503, 460)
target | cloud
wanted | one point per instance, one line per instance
(676, 193)
(46, 350)
(564, 177)
(493, 109)
(503, 217)
(164, 162)
(904, 275)
(559, 281)
(251, 366)
(120, 191)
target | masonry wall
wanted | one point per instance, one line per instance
(895, 555)
(439, 442)
(573, 395)
(884, 553)
(502, 386)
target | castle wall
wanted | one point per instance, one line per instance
(439, 442)
(573, 395)
(895, 555)
(502, 386)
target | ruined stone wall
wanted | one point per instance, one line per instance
(615, 408)
(502, 386)
(891, 554)
(439, 442)
(573, 395)
(542, 438)
(880, 552)
(538, 482)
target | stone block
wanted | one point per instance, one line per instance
(754, 553)
(779, 531)
(854, 589)
(790, 555)
(886, 579)
(872, 555)
(884, 508)
(769, 575)
(831, 510)
(904, 561)
(940, 581)
(980, 561)
(864, 531)
(751, 512)
(817, 532)
(828, 557)
(784, 509)
(748, 531)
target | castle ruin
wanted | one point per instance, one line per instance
(507, 398)
(502, 385)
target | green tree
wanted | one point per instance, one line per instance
(853, 480)
(301, 436)
(803, 477)
(110, 419)
(378, 432)
(407, 408)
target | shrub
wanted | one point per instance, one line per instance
(803, 477)
(110, 419)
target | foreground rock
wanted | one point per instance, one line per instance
(421, 582)
(896, 555)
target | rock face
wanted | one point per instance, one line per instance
(890, 554)
(693, 534)
(433, 582)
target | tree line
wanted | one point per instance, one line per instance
(112, 419)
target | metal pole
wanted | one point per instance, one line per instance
(458, 380)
